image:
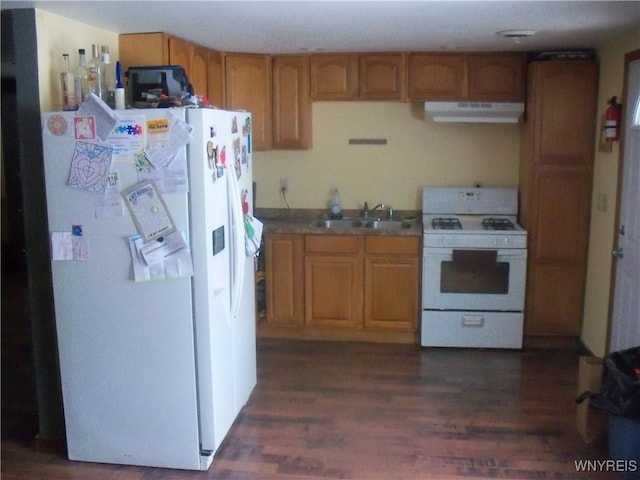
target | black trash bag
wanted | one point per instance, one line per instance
(620, 390)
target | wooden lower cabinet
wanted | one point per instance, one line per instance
(333, 281)
(391, 283)
(284, 277)
(342, 287)
(333, 290)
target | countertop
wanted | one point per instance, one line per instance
(303, 221)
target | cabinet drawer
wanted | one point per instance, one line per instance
(392, 245)
(332, 243)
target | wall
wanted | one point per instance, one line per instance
(54, 39)
(418, 153)
(596, 307)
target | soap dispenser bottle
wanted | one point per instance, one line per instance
(335, 206)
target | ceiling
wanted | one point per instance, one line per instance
(360, 26)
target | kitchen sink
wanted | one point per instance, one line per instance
(350, 223)
(339, 223)
(386, 224)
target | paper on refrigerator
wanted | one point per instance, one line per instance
(170, 258)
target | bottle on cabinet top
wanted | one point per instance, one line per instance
(108, 78)
(68, 86)
(81, 77)
(94, 73)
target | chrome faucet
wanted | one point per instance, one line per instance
(366, 211)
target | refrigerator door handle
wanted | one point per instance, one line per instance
(237, 231)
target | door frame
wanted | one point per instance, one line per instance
(628, 59)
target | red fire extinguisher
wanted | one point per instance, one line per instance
(612, 120)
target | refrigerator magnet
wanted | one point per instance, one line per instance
(211, 154)
(149, 212)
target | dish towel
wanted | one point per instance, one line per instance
(253, 235)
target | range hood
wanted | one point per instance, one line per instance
(474, 112)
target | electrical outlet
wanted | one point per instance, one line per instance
(284, 185)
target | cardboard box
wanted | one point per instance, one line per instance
(591, 422)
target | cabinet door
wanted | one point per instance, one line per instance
(291, 104)
(180, 53)
(248, 87)
(333, 290)
(333, 281)
(334, 77)
(199, 70)
(284, 279)
(434, 76)
(391, 291)
(558, 247)
(496, 77)
(143, 49)
(382, 76)
(564, 99)
(215, 78)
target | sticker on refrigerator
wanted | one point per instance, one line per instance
(89, 166)
(57, 125)
(84, 128)
(127, 137)
(149, 212)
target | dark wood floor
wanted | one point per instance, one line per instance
(368, 411)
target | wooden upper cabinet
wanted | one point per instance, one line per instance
(351, 76)
(180, 53)
(436, 76)
(154, 49)
(382, 76)
(466, 76)
(199, 69)
(291, 103)
(215, 79)
(248, 87)
(564, 101)
(334, 77)
(496, 77)
(143, 49)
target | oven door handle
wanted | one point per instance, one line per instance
(446, 253)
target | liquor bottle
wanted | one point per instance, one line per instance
(94, 73)
(68, 86)
(108, 78)
(81, 77)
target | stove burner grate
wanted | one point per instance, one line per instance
(446, 223)
(498, 224)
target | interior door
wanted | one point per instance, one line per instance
(625, 328)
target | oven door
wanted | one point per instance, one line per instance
(474, 279)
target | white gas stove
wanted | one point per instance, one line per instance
(474, 268)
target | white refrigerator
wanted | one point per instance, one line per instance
(155, 301)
